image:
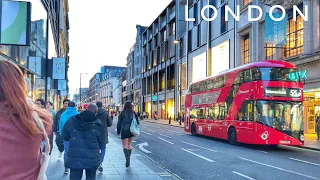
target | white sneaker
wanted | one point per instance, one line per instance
(60, 154)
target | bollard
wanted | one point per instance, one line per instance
(170, 120)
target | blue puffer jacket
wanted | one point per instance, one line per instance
(67, 114)
(85, 134)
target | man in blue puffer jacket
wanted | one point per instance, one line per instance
(65, 116)
(85, 134)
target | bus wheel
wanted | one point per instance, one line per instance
(232, 136)
(193, 130)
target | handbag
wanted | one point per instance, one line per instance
(45, 157)
(134, 128)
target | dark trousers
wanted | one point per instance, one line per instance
(59, 142)
(76, 174)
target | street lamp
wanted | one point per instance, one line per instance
(80, 86)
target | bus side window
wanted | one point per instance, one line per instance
(193, 114)
(247, 76)
(239, 78)
(246, 111)
(210, 112)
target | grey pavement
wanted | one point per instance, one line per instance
(197, 157)
(113, 165)
(310, 141)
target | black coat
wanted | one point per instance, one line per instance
(56, 121)
(124, 123)
(104, 117)
(85, 134)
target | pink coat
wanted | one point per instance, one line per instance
(19, 153)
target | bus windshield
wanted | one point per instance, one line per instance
(283, 116)
(280, 74)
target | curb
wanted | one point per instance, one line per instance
(311, 148)
(302, 147)
(162, 123)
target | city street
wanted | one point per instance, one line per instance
(190, 157)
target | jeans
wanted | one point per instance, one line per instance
(76, 174)
(66, 147)
(103, 152)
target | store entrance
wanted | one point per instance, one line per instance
(311, 111)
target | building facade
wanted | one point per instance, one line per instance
(176, 52)
(35, 60)
(94, 88)
(109, 76)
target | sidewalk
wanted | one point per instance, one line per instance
(165, 122)
(113, 165)
(310, 141)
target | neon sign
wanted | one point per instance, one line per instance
(295, 76)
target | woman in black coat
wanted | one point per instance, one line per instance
(123, 128)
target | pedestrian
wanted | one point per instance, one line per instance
(65, 116)
(42, 104)
(104, 117)
(123, 128)
(55, 128)
(85, 134)
(20, 137)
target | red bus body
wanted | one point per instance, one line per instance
(261, 103)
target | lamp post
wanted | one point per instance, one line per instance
(80, 86)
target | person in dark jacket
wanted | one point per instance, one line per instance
(55, 128)
(104, 117)
(123, 127)
(85, 134)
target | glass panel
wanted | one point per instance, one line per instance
(279, 74)
(283, 116)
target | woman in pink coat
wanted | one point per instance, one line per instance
(20, 137)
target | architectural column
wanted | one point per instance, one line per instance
(307, 28)
(316, 24)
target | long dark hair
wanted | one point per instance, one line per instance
(127, 107)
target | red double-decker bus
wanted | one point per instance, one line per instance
(257, 103)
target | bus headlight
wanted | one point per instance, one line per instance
(301, 137)
(264, 136)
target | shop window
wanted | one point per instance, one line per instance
(223, 22)
(246, 111)
(270, 51)
(294, 45)
(246, 49)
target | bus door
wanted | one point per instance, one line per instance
(245, 123)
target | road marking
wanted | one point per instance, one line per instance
(305, 161)
(166, 140)
(303, 149)
(242, 175)
(173, 131)
(165, 136)
(199, 146)
(281, 169)
(207, 159)
(134, 141)
(164, 174)
(145, 132)
(263, 151)
(142, 148)
(151, 130)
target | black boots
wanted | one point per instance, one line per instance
(127, 154)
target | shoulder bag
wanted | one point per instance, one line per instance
(134, 128)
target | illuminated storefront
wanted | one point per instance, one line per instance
(170, 108)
